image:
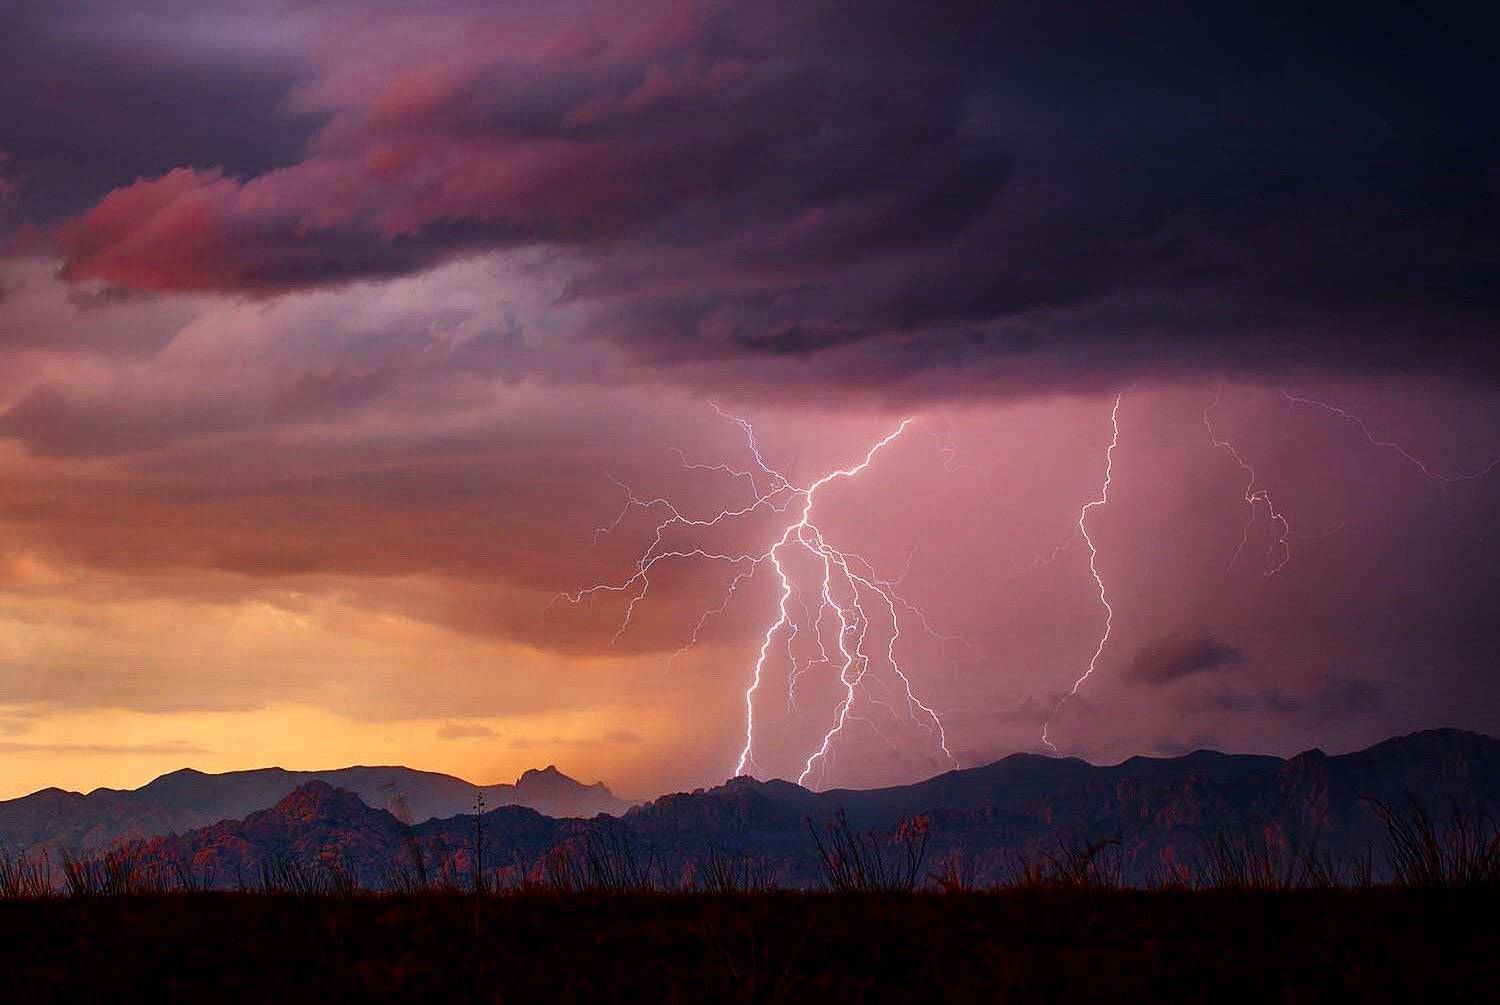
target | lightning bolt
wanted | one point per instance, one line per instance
(1040, 561)
(850, 591)
(1109, 611)
(948, 449)
(1392, 445)
(1254, 498)
(844, 585)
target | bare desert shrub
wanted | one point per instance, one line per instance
(861, 862)
(1465, 854)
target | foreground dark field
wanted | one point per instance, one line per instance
(1046, 944)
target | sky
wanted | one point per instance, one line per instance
(345, 346)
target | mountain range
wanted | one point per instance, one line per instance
(1158, 811)
(186, 800)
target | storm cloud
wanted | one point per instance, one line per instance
(1004, 196)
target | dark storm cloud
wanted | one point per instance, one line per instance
(1174, 657)
(668, 129)
(1005, 194)
(98, 93)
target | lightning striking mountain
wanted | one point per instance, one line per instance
(823, 589)
(844, 583)
(1109, 611)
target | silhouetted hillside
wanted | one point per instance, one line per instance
(1162, 810)
(318, 824)
(185, 800)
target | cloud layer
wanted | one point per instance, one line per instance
(1005, 197)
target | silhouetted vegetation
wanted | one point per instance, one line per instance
(954, 873)
(1247, 860)
(1461, 852)
(476, 852)
(325, 876)
(1318, 870)
(1251, 915)
(726, 873)
(119, 872)
(865, 863)
(1464, 854)
(410, 874)
(1093, 865)
(23, 878)
(607, 862)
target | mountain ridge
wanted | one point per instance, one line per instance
(187, 799)
(1159, 810)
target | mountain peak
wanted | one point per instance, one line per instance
(317, 800)
(555, 794)
(550, 771)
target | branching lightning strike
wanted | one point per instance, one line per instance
(1254, 499)
(1392, 445)
(846, 585)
